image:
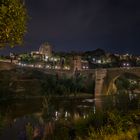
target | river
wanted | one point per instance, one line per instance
(16, 114)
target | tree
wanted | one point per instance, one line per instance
(13, 20)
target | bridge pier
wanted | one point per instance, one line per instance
(100, 75)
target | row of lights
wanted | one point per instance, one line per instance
(40, 66)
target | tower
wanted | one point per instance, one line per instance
(46, 50)
(76, 63)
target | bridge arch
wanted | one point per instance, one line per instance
(112, 75)
(112, 88)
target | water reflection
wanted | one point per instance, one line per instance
(33, 119)
(38, 118)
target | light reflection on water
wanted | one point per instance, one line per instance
(17, 114)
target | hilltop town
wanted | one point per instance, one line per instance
(45, 57)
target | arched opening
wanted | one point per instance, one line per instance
(126, 82)
(123, 92)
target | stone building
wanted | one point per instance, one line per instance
(76, 63)
(46, 50)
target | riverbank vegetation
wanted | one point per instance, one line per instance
(22, 83)
(118, 121)
(111, 122)
(112, 126)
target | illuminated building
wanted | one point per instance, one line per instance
(46, 50)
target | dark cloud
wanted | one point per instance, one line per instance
(113, 25)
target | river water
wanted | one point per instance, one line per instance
(17, 114)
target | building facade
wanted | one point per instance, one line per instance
(46, 50)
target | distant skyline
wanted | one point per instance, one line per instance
(83, 25)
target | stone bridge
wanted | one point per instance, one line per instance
(104, 78)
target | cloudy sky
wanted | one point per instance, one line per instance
(80, 25)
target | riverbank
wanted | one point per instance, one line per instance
(72, 96)
(111, 125)
(27, 83)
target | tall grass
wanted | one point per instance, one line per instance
(119, 119)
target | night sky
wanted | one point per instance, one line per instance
(81, 25)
